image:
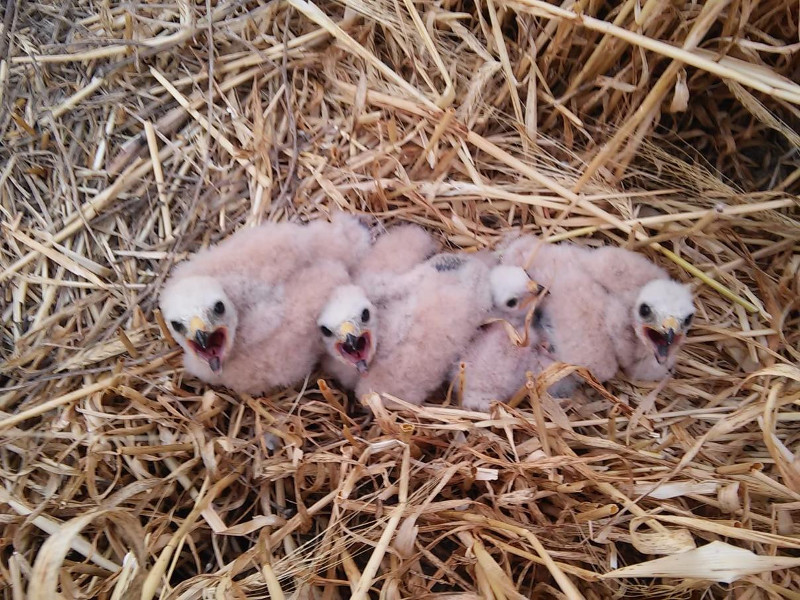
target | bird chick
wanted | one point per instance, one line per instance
(425, 323)
(574, 321)
(661, 317)
(572, 317)
(245, 310)
(285, 347)
(348, 323)
(656, 309)
(349, 328)
(494, 367)
(512, 292)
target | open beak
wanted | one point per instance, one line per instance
(207, 343)
(663, 338)
(355, 346)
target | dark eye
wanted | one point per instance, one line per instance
(325, 331)
(688, 320)
(365, 315)
(644, 310)
(177, 326)
(219, 308)
(511, 303)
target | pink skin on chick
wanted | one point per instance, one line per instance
(251, 253)
(542, 260)
(344, 239)
(427, 329)
(494, 369)
(398, 250)
(622, 272)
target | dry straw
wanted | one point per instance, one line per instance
(135, 133)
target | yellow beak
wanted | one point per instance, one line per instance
(670, 323)
(346, 328)
(196, 324)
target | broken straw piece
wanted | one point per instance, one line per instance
(717, 561)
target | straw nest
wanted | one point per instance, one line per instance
(134, 134)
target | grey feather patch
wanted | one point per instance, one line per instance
(543, 324)
(447, 262)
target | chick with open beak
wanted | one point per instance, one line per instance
(208, 341)
(355, 344)
(202, 320)
(348, 324)
(663, 315)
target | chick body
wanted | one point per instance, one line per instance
(377, 279)
(494, 366)
(278, 343)
(573, 314)
(622, 272)
(432, 313)
(397, 251)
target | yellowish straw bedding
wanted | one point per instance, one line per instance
(134, 134)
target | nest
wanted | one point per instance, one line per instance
(136, 133)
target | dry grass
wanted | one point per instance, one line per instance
(133, 134)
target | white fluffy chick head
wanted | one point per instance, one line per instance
(512, 289)
(348, 324)
(201, 318)
(662, 315)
